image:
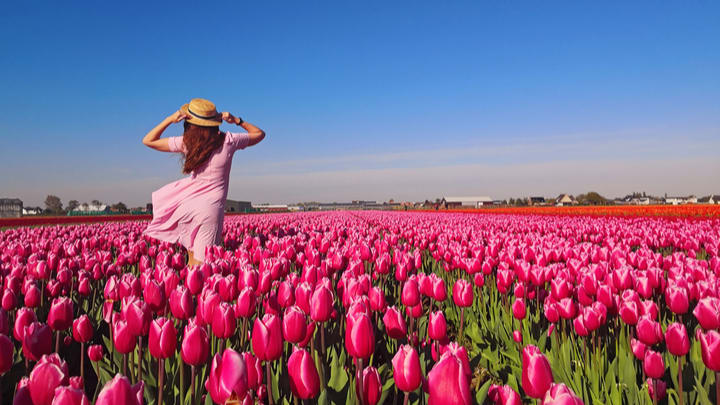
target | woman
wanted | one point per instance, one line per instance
(191, 210)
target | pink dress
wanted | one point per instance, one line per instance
(191, 210)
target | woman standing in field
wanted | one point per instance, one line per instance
(191, 210)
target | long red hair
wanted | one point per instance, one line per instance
(200, 143)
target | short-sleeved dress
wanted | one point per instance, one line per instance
(191, 210)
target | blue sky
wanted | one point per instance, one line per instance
(366, 100)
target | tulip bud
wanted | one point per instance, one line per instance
(536, 373)
(227, 378)
(649, 331)
(245, 305)
(406, 369)
(410, 293)
(195, 345)
(677, 300)
(23, 318)
(82, 329)
(95, 353)
(304, 379)
(377, 299)
(707, 312)
(162, 339)
(123, 338)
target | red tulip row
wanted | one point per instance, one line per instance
(351, 301)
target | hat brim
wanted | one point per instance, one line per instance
(214, 122)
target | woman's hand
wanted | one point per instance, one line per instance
(178, 116)
(229, 118)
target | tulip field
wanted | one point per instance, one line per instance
(367, 308)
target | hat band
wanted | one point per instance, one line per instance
(200, 116)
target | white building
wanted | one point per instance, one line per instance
(32, 210)
(681, 200)
(467, 202)
(85, 207)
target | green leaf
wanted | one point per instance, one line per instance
(482, 393)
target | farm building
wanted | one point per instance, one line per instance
(11, 207)
(32, 210)
(681, 200)
(466, 202)
(90, 209)
(238, 206)
(564, 200)
(536, 201)
(711, 199)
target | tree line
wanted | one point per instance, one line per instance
(54, 206)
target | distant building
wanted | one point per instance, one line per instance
(11, 207)
(32, 211)
(85, 209)
(466, 202)
(565, 200)
(536, 200)
(270, 207)
(238, 206)
(681, 200)
(640, 201)
(711, 199)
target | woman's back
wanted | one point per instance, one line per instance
(217, 167)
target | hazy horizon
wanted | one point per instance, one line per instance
(371, 101)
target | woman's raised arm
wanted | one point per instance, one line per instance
(256, 134)
(152, 139)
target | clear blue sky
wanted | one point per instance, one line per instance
(366, 100)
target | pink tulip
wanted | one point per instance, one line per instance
(60, 316)
(294, 325)
(677, 300)
(227, 379)
(321, 304)
(304, 379)
(95, 353)
(653, 364)
(359, 335)
(661, 388)
(224, 322)
(377, 299)
(162, 339)
(49, 373)
(23, 318)
(462, 293)
(649, 331)
(195, 345)
(267, 338)
(560, 394)
(372, 387)
(448, 383)
(518, 309)
(406, 369)
(707, 312)
(70, 396)
(37, 341)
(394, 323)
(536, 373)
(437, 326)
(118, 391)
(181, 303)
(677, 340)
(7, 350)
(82, 329)
(638, 348)
(710, 347)
(410, 293)
(503, 395)
(137, 315)
(245, 305)
(123, 338)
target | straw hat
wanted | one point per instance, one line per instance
(202, 112)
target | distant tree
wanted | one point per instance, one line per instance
(53, 204)
(512, 201)
(120, 207)
(96, 202)
(72, 204)
(594, 198)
